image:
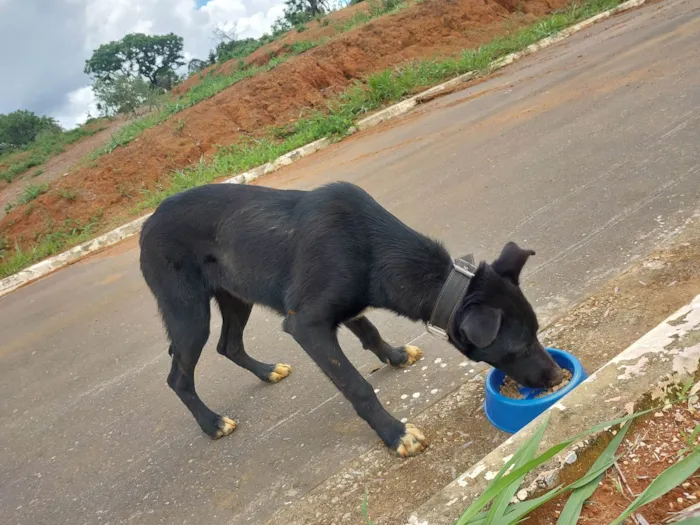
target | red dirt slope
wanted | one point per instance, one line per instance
(111, 186)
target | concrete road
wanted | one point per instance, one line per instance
(588, 152)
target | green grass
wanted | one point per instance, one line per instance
(376, 9)
(358, 19)
(42, 149)
(70, 194)
(31, 192)
(379, 90)
(72, 233)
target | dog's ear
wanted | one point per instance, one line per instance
(511, 261)
(480, 325)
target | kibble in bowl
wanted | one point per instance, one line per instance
(513, 390)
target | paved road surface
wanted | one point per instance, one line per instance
(587, 152)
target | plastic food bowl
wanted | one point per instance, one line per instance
(510, 415)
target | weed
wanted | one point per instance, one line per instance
(31, 192)
(382, 7)
(125, 190)
(179, 127)
(70, 194)
(301, 28)
(9, 206)
(297, 48)
(72, 233)
(37, 173)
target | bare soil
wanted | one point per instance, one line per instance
(111, 186)
(58, 165)
(654, 444)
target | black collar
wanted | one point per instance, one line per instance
(451, 295)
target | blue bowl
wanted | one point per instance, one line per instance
(510, 415)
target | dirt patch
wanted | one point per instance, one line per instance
(112, 186)
(60, 164)
(630, 305)
(654, 443)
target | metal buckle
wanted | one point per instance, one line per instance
(469, 268)
(463, 271)
(436, 331)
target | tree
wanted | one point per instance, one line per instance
(153, 57)
(196, 65)
(297, 12)
(228, 45)
(123, 94)
(19, 128)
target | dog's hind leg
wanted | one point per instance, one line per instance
(235, 314)
(187, 324)
(370, 338)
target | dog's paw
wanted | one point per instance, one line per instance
(414, 353)
(224, 426)
(412, 443)
(279, 373)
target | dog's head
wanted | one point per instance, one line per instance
(496, 324)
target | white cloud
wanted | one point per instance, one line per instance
(47, 75)
(81, 105)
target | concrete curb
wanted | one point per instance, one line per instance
(666, 356)
(50, 265)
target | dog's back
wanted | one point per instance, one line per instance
(213, 236)
(277, 247)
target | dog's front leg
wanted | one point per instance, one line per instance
(321, 343)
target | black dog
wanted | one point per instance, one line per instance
(320, 258)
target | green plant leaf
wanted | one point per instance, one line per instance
(666, 481)
(522, 510)
(514, 513)
(480, 502)
(524, 454)
(497, 485)
(688, 521)
(572, 510)
(365, 510)
(693, 436)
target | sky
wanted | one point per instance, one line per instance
(44, 43)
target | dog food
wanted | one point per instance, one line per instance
(511, 389)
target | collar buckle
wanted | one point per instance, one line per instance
(437, 331)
